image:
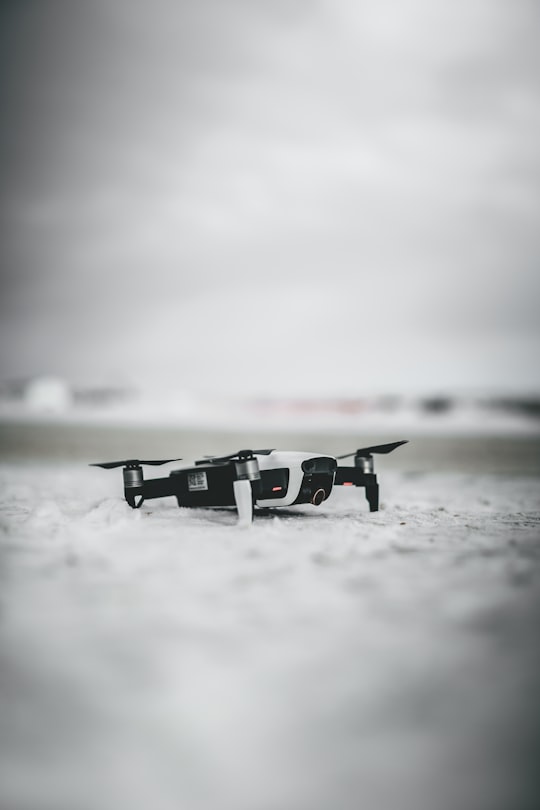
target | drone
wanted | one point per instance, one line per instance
(253, 478)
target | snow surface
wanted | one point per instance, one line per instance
(324, 658)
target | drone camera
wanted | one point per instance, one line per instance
(318, 480)
(315, 489)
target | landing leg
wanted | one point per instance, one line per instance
(372, 496)
(243, 495)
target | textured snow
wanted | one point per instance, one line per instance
(323, 658)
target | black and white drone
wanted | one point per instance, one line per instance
(253, 478)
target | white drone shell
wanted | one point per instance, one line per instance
(293, 462)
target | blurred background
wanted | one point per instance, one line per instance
(307, 224)
(271, 199)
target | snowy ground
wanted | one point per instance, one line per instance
(324, 659)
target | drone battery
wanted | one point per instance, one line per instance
(208, 485)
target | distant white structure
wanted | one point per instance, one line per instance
(48, 394)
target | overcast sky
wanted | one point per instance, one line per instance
(272, 195)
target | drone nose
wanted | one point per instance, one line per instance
(318, 497)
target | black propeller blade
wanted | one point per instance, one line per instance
(132, 462)
(238, 454)
(378, 448)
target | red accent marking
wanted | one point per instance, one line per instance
(277, 489)
(347, 484)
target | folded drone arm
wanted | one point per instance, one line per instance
(354, 476)
(362, 474)
(147, 489)
(243, 496)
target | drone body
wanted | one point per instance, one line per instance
(248, 478)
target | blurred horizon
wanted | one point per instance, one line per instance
(268, 198)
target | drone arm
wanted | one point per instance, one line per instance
(144, 490)
(354, 476)
(159, 487)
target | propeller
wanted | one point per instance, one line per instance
(240, 454)
(132, 462)
(378, 448)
